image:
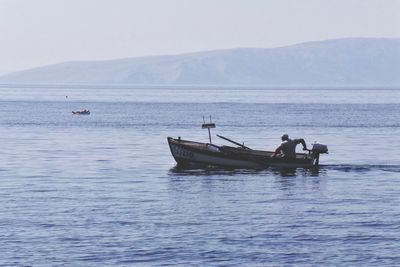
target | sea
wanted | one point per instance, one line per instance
(104, 190)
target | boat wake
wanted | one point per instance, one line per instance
(361, 167)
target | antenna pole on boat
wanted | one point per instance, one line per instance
(208, 126)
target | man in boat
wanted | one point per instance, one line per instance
(288, 147)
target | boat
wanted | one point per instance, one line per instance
(83, 112)
(191, 154)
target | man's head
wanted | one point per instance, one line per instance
(285, 137)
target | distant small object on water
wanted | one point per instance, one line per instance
(82, 112)
(66, 96)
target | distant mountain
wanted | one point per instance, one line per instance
(2, 72)
(353, 61)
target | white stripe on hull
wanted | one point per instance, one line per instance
(180, 152)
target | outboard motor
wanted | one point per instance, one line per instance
(318, 149)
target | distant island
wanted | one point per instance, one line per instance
(340, 62)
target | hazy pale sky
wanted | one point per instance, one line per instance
(40, 32)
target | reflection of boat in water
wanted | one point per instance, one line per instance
(190, 154)
(83, 112)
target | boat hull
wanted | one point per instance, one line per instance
(195, 154)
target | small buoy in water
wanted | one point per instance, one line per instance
(66, 96)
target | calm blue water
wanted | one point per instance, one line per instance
(102, 190)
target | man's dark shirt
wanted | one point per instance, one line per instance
(288, 148)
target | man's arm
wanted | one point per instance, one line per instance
(301, 141)
(277, 151)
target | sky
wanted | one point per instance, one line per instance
(41, 32)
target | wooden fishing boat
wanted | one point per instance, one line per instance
(189, 154)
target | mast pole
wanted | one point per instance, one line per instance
(209, 131)
(208, 126)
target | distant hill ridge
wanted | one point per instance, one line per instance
(351, 61)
